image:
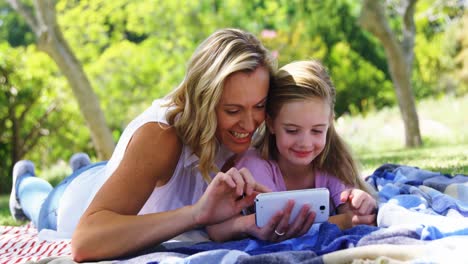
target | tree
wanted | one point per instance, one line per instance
(49, 39)
(400, 56)
(27, 113)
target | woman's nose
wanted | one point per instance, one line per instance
(248, 122)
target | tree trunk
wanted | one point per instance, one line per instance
(400, 60)
(51, 41)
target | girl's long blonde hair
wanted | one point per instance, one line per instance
(303, 80)
(194, 101)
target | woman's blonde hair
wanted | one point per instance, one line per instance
(302, 80)
(194, 101)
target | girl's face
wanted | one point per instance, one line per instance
(300, 129)
(241, 108)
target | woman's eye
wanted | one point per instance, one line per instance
(260, 106)
(231, 112)
(291, 131)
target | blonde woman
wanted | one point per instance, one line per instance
(171, 171)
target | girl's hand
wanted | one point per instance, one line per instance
(362, 206)
(278, 228)
(226, 196)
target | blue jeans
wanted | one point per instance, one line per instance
(40, 201)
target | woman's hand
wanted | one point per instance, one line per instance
(278, 228)
(226, 196)
(361, 205)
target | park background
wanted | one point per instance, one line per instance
(73, 73)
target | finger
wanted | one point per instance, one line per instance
(269, 228)
(239, 181)
(246, 201)
(298, 223)
(364, 219)
(357, 200)
(283, 225)
(223, 178)
(249, 180)
(371, 209)
(253, 230)
(364, 208)
(262, 188)
(308, 223)
(344, 196)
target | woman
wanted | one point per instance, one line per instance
(155, 186)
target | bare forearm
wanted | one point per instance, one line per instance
(107, 235)
(228, 230)
(343, 221)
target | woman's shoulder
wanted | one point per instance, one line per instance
(152, 127)
(158, 134)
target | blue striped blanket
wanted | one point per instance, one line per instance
(422, 218)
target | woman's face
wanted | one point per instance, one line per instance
(301, 129)
(241, 108)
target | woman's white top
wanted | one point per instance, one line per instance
(184, 188)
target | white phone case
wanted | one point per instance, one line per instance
(267, 204)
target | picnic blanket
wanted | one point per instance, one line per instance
(19, 244)
(422, 218)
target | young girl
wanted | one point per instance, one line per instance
(302, 145)
(300, 149)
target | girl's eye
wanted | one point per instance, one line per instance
(291, 131)
(317, 131)
(260, 106)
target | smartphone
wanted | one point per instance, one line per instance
(267, 204)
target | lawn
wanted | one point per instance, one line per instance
(377, 138)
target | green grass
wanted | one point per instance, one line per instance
(445, 159)
(377, 138)
(5, 218)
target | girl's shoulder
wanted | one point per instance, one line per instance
(325, 179)
(251, 155)
(264, 171)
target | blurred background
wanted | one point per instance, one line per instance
(73, 73)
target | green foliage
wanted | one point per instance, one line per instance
(136, 51)
(24, 111)
(38, 117)
(360, 86)
(296, 44)
(13, 28)
(335, 22)
(461, 58)
(428, 66)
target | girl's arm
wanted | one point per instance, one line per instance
(110, 227)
